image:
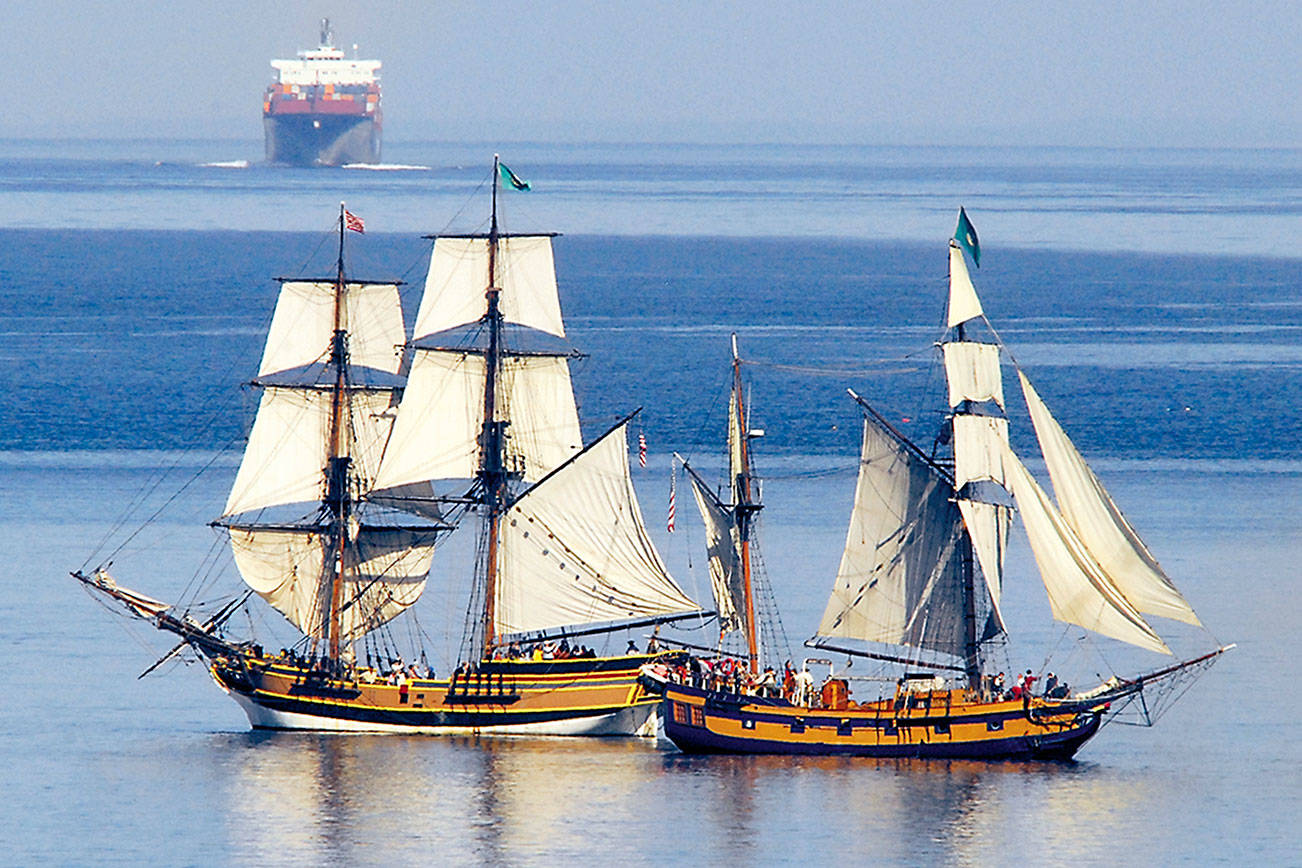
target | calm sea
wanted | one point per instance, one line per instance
(1153, 296)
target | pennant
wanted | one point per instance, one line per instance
(965, 235)
(512, 178)
(641, 449)
(354, 223)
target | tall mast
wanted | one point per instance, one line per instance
(968, 578)
(492, 471)
(745, 507)
(337, 499)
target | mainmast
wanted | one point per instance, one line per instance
(746, 507)
(338, 499)
(492, 472)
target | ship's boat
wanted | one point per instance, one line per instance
(334, 514)
(323, 109)
(920, 587)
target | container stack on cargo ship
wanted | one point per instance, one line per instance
(324, 109)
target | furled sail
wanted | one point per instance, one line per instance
(458, 274)
(1090, 511)
(440, 419)
(723, 548)
(292, 569)
(1080, 591)
(899, 581)
(575, 549)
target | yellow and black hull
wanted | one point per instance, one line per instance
(939, 724)
(601, 696)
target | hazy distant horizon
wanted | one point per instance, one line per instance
(1107, 74)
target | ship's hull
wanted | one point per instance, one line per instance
(588, 697)
(322, 139)
(942, 724)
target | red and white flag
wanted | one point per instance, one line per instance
(673, 486)
(353, 222)
(641, 449)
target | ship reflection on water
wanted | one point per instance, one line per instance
(326, 799)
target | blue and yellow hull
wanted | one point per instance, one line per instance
(601, 696)
(941, 724)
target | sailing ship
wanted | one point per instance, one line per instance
(922, 574)
(334, 514)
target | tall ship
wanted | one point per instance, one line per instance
(356, 469)
(920, 589)
(323, 109)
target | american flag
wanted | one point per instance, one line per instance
(673, 486)
(641, 449)
(353, 222)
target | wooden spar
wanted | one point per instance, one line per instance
(745, 508)
(887, 657)
(492, 471)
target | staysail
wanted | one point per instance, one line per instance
(575, 549)
(1091, 513)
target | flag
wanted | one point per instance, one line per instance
(641, 449)
(512, 178)
(966, 236)
(673, 485)
(353, 222)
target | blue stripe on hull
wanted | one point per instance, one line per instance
(1059, 746)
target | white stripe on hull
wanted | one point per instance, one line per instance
(638, 721)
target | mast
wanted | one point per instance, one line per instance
(746, 508)
(968, 577)
(492, 471)
(337, 499)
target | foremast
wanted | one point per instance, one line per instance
(338, 499)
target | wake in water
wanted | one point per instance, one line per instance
(386, 167)
(226, 164)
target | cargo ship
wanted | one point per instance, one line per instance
(323, 109)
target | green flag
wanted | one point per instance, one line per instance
(511, 177)
(966, 236)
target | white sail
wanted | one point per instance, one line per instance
(722, 547)
(384, 573)
(899, 579)
(972, 372)
(979, 446)
(1080, 592)
(963, 302)
(289, 446)
(575, 549)
(1089, 509)
(440, 419)
(302, 328)
(458, 278)
(987, 526)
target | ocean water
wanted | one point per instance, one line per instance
(1153, 297)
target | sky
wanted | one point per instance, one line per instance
(1105, 73)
